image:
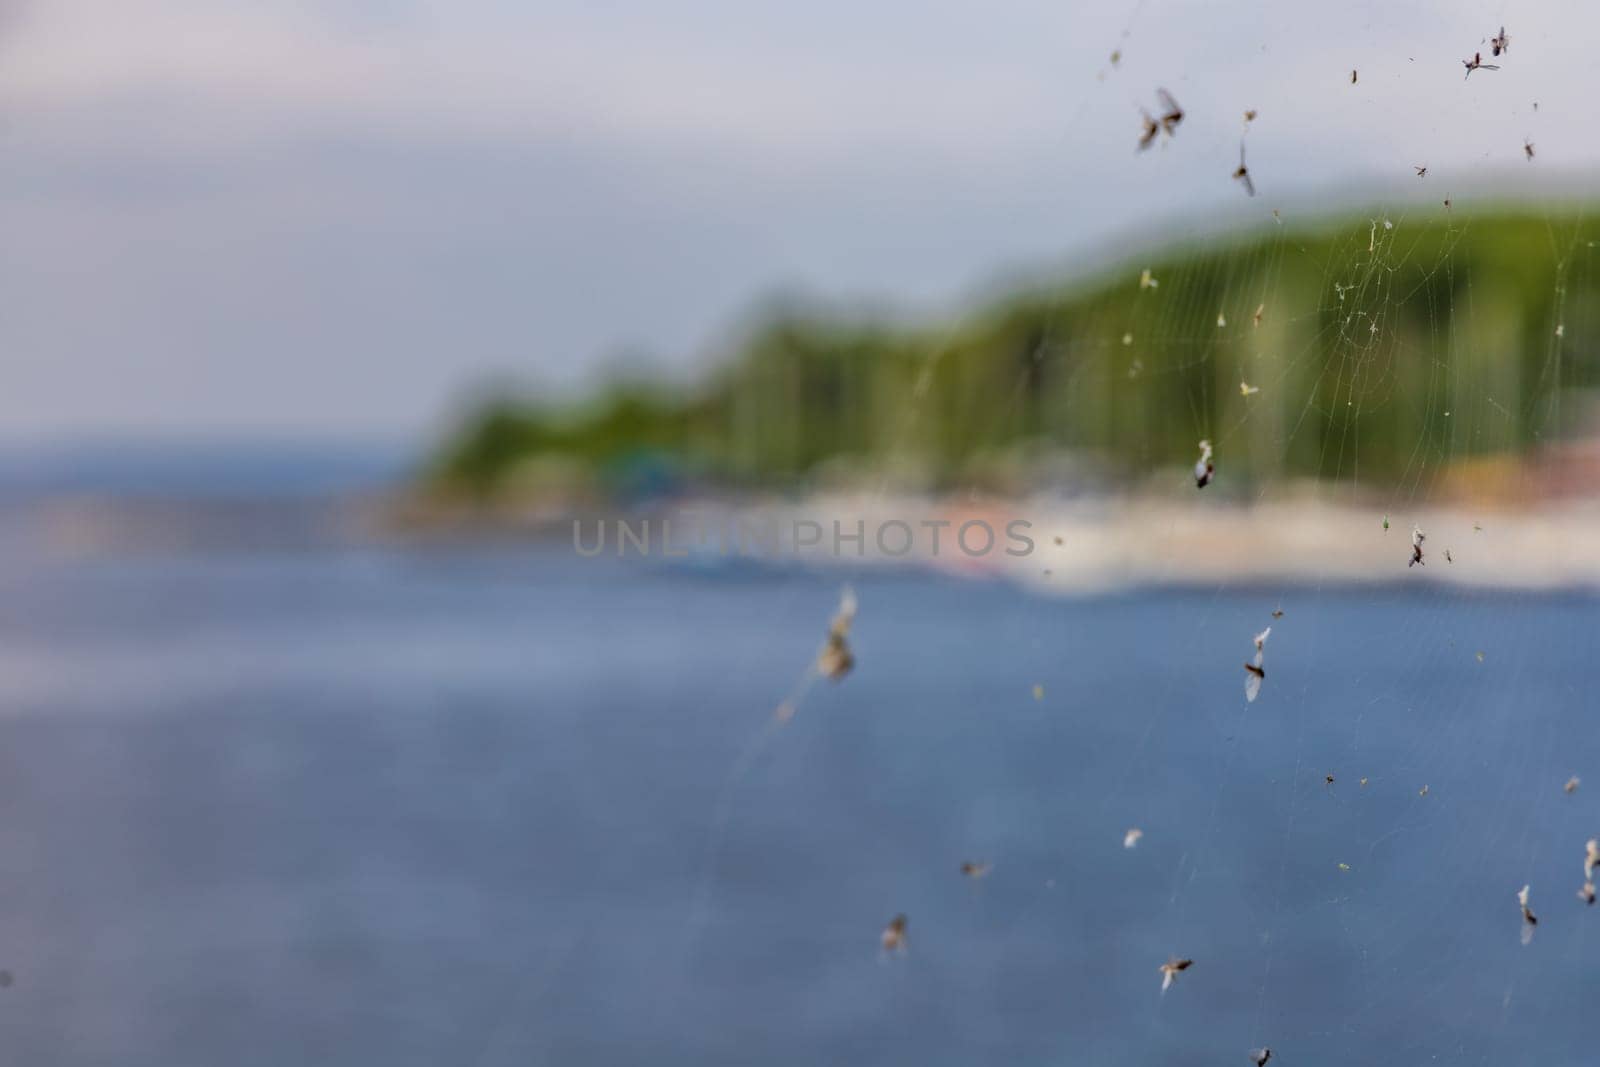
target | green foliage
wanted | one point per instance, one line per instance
(1380, 353)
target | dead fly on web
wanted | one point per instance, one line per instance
(1170, 969)
(1422, 171)
(1243, 173)
(1151, 128)
(1204, 468)
(894, 935)
(1500, 43)
(1255, 672)
(835, 659)
(1260, 1056)
(975, 871)
(1527, 148)
(1171, 115)
(1477, 63)
(1529, 919)
(1278, 613)
(1417, 537)
(1250, 115)
(1352, 77)
(1571, 786)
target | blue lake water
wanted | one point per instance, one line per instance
(363, 806)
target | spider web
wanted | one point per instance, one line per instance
(1341, 857)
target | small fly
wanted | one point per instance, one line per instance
(1171, 969)
(1243, 173)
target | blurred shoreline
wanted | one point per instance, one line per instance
(1080, 545)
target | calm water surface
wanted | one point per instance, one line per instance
(375, 807)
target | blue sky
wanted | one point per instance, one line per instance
(342, 219)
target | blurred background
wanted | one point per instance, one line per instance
(322, 323)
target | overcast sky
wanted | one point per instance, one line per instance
(336, 219)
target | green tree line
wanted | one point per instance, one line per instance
(1375, 346)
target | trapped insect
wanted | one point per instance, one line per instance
(1256, 673)
(1243, 173)
(1352, 77)
(1529, 919)
(1417, 537)
(1171, 116)
(1170, 970)
(1500, 43)
(1246, 389)
(1422, 171)
(1131, 838)
(894, 935)
(1586, 894)
(835, 660)
(1527, 148)
(975, 870)
(1260, 1056)
(1477, 63)
(1571, 786)
(1591, 858)
(1204, 468)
